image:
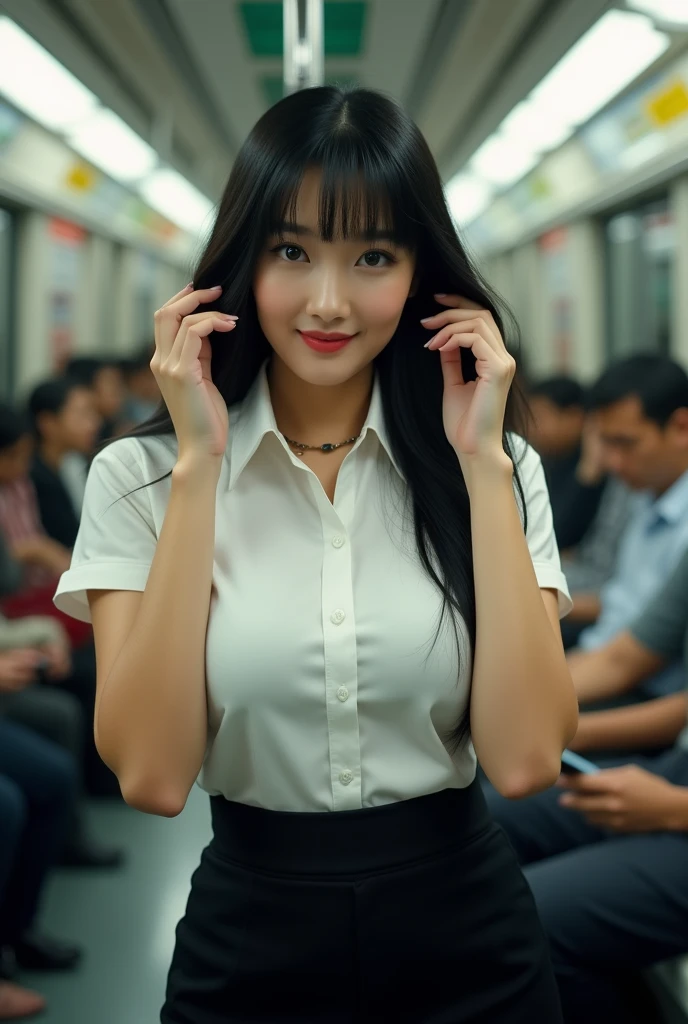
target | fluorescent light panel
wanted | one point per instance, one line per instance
(669, 12)
(38, 84)
(611, 55)
(618, 48)
(110, 144)
(177, 199)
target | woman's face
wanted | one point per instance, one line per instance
(350, 287)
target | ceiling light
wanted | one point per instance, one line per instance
(673, 13)
(177, 199)
(110, 144)
(467, 197)
(618, 48)
(503, 161)
(36, 83)
(534, 128)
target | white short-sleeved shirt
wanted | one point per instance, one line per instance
(323, 694)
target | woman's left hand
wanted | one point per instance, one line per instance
(473, 411)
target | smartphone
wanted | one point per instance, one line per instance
(573, 764)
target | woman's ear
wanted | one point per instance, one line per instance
(414, 287)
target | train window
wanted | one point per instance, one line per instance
(641, 247)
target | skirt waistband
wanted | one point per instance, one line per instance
(348, 842)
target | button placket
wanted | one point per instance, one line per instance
(340, 655)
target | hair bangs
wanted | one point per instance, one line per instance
(358, 199)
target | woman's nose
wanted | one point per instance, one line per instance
(328, 299)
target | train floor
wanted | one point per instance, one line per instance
(124, 919)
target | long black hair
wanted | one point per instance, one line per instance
(373, 161)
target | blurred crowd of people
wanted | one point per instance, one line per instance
(605, 851)
(605, 862)
(48, 759)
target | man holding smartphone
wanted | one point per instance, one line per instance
(606, 853)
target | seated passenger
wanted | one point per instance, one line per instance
(575, 484)
(608, 861)
(42, 559)
(143, 393)
(33, 701)
(37, 789)
(64, 420)
(591, 563)
(105, 378)
(641, 408)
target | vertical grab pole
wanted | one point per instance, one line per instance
(304, 44)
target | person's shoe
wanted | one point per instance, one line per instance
(86, 854)
(17, 1002)
(35, 952)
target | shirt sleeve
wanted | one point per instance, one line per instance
(540, 535)
(663, 624)
(117, 536)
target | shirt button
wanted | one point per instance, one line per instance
(337, 541)
(337, 616)
(343, 693)
(346, 777)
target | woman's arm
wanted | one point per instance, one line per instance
(151, 712)
(523, 705)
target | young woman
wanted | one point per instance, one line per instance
(266, 563)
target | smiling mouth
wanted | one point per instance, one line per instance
(321, 336)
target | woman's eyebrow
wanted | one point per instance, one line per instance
(289, 227)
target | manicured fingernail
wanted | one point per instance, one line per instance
(229, 316)
(428, 343)
(440, 295)
(216, 288)
(189, 285)
(426, 318)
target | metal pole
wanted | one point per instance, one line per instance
(304, 44)
(316, 37)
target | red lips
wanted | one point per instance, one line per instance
(322, 336)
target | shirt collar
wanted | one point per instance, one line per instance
(253, 419)
(673, 505)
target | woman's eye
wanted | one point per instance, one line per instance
(375, 259)
(291, 252)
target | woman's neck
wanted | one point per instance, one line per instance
(316, 414)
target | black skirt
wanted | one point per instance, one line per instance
(411, 913)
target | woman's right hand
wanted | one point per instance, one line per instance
(181, 366)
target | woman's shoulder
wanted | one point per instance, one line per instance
(138, 456)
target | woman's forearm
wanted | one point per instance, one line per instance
(523, 705)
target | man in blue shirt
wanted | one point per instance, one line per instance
(641, 409)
